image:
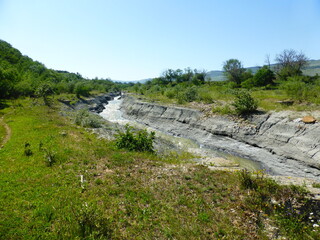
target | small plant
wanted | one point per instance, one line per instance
(316, 185)
(244, 103)
(50, 156)
(246, 180)
(27, 149)
(225, 110)
(92, 224)
(140, 141)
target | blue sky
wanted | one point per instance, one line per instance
(137, 39)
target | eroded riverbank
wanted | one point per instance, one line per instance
(280, 144)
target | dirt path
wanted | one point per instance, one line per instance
(7, 136)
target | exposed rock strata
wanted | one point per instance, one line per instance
(95, 104)
(281, 145)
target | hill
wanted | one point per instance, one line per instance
(22, 76)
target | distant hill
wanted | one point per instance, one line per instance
(133, 81)
(312, 69)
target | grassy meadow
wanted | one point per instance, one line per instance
(59, 181)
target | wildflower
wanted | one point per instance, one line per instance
(315, 225)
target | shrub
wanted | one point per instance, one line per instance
(244, 103)
(170, 93)
(141, 140)
(190, 94)
(85, 119)
(205, 95)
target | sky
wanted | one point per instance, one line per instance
(139, 39)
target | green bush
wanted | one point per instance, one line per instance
(204, 95)
(85, 119)
(170, 93)
(190, 94)
(82, 89)
(140, 141)
(244, 103)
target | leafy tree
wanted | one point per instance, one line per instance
(45, 91)
(290, 63)
(263, 77)
(233, 70)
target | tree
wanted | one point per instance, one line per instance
(263, 77)
(290, 63)
(233, 70)
(45, 90)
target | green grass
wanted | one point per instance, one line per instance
(125, 195)
(2, 133)
(268, 100)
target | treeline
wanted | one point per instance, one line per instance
(193, 85)
(179, 84)
(21, 76)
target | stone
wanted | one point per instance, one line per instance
(309, 119)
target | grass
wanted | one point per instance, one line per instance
(221, 98)
(2, 132)
(92, 190)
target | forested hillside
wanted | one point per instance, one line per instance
(22, 76)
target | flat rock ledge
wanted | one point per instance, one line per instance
(283, 145)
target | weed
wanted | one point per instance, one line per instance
(92, 224)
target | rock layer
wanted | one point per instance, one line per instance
(281, 145)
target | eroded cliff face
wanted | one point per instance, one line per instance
(282, 145)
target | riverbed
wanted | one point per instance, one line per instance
(205, 155)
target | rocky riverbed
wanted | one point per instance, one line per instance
(279, 141)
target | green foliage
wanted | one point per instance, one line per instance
(44, 91)
(263, 77)
(224, 110)
(27, 149)
(295, 88)
(189, 94)
(21, 76)
(247, 181)
(92, 224)
(140, 141)
(290, 63)
(205, 95)
(86, 119)
(233, 70)
(140, 196)
(82, 89)
(244, 103)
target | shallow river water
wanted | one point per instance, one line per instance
(112, 113)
